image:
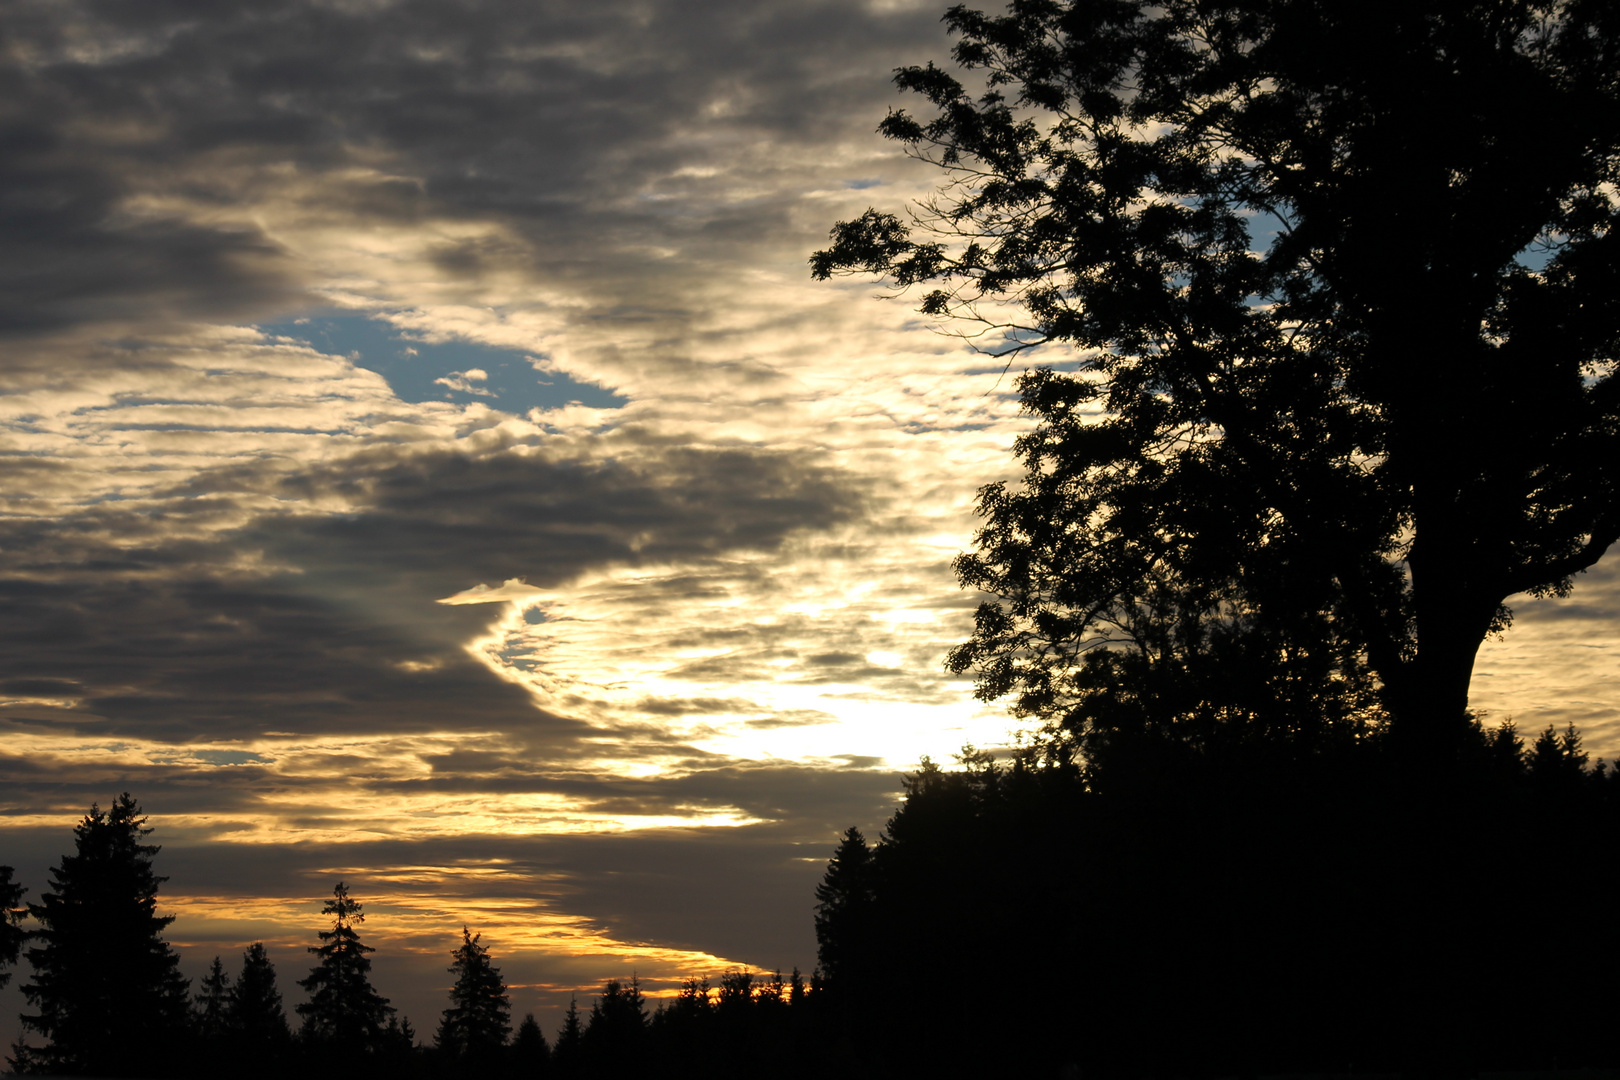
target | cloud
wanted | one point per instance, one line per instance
(253, 577)
(336, 610)
(463, 381)
(513, 590)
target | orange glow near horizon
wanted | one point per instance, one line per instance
(520, 932)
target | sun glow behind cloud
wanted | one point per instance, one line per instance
(413, 914)
(299, 607)
(797, 655)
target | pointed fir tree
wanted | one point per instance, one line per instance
(737, 991)
(107, 988)
(479, 1018)
(343, 1011)
(796, 988)
(211, 1007)
(569, 1053)
(254, 1014)
(844, 901)
(694, 1003)
(529, 1051)
(12, 934)
(398, 1043)
(615, 1035)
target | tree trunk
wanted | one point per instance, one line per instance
(1429, 712)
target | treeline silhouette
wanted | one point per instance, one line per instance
(1150, 902)
(1223, 904)
(108, 999)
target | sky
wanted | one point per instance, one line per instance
(429, 465)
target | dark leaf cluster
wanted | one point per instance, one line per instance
(1336, 289)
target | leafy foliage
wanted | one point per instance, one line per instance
(1339, 283)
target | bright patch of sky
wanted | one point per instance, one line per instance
(460, 372)
(330, 601)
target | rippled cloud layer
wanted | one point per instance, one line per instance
(427, 464)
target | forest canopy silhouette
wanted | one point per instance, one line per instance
(110, 1001)
(1323, 299)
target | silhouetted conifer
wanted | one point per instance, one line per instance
(211, 1007)
(796, 988)
(569, 1053)
(682, 1031)
(615, 1034)
(1277, 911)
(843, 908)
(397, 1056)
(736, 992)
(12, 935)
(529, 1054)
(259, 1036)
(475, 1026)
(693, 1001)
(107, 987)
(343, 1014)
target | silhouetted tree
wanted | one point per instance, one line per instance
(212, 1004)
(1342, 285)
(12, 935)
(693, 1001)
(209, 1048)
(1276, 912)
(259, 1034)
(106, 986)
(796, 988)
(615, 1034)
(343, 1013)
(843, 908)
(397, 1056)
(1557, 757)
(474, 1027)
(529, 1052)
(751, 1019)
(736, 991)
(683, 1031)
(568, 1055)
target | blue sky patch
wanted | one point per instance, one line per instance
(454, 371)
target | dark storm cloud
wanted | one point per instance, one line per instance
(457, 520)
(770, 792)
(168, 638)
(73, 255)
(744, 892)
(130, 131)
(628, 169)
